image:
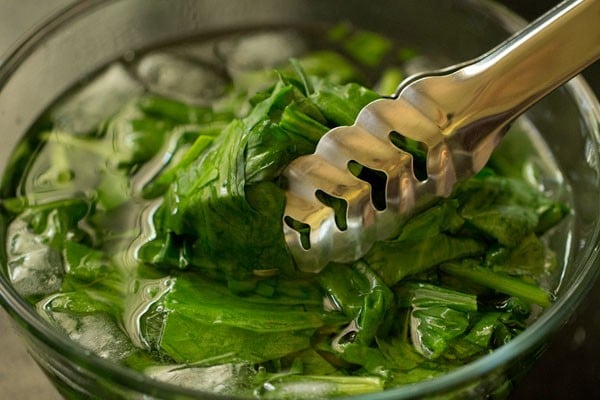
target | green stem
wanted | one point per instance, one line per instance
(500, 282)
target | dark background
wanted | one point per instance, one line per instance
(570, 367)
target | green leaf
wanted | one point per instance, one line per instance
(213, 303)
(179, 113)
(295, 120)
(114, 189)
(204, 321)
(406, 365)
(340, 104)
(368, 47)
(389, 81)
(57, 221)
(530, 257)
(440, 218)
(424, 295)
(483, 329)
(270, 149)
(505, 209)
(331, 66)
(395, 260)
(160, 183)
(433, 328)
(508, 224)
(314, 364)
(83, 263)
(344, 285)
(76, 302)
(187, 339)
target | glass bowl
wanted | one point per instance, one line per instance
(88, 35)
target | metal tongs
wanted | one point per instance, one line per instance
(460, 114)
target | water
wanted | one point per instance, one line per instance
(35, 269)
(222, 379)
(260, 50)
(178, 78)
(197, 73)
(143, 327)
(97, 100)
(96, 332)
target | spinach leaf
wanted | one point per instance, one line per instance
(395, 260)
(437, 316)
(165, 222)
(226, 198)
(204, 321)
(340, 104)
(507, 209)
(529, 257)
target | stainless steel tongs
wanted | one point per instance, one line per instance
(459, 113)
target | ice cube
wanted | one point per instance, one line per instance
(39, 272)
(203, 51)
(97, 333)
(223, 379)
(35, 269)
(20, 239)
(179, 78)
(261, 50)
(95, 102)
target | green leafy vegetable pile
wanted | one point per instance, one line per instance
(187, 261)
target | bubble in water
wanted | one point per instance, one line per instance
(97, 101)
(178, 78)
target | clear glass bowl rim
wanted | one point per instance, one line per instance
(549, 322)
